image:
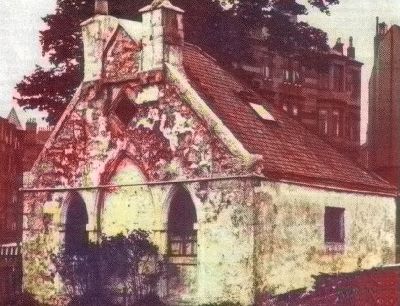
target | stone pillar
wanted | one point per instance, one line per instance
(163, 35)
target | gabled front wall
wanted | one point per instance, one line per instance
(290, 241)
(164, 141)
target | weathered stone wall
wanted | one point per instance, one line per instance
(223, 269)
(226, 243)
(290, 245)
(165, 140)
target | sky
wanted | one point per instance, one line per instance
(20, 22)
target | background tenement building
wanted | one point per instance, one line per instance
(18, 150)
(322, 91)
(11, 150)
(383, 136)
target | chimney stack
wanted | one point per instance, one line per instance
(31, 125)
(351, 51)
(101, 7)
(381, 29)
(338, 46)
(163, 35)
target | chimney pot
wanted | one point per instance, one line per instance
(351, 51)
(338, 46)
(101, 7)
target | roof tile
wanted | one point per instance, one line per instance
(289, 149)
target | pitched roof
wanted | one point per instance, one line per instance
(13, 119)
(290, 151)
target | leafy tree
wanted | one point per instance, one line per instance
(221, 32)
(121, 270)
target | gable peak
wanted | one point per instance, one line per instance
(13, 119)
(157, 4)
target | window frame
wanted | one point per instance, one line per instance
(323, 125)
(182, 233)
(334, 235)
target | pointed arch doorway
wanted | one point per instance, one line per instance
(76, 219)
(182, 246)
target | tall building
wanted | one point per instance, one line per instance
(323, 92)
(18, 150)
(383, 136)
(11, 151)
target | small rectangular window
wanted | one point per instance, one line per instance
(323, 121)
(267, 72)
(295, 110)
(287, 75)
(334, 224)
(336, 124)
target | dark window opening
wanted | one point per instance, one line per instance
(338, 77)
(182, 234)
(324, 81)
(125, 110)
(76, 236)
(334, 224)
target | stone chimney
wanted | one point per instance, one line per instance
(31, 125)
(163, 35)
(381, 29)
(351, 51)
(160, 34)
(338, 46)
(101, 7)
(96, 32)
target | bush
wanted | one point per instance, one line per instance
(25, 299)
(121, 270)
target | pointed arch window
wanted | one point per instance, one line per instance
(76, 236)
(182, 220)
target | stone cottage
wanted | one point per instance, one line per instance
(240, 196)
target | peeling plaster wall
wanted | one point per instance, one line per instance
(225, 256)
(127, 208)
(122, 57)
(290, 245)
(223, 269)
(165, 140)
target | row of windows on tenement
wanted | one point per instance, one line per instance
(341, 81)
(332, 122)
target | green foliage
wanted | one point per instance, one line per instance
(120, 270)
(223, 33)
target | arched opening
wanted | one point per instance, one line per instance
(182, 232)
(76, 236)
